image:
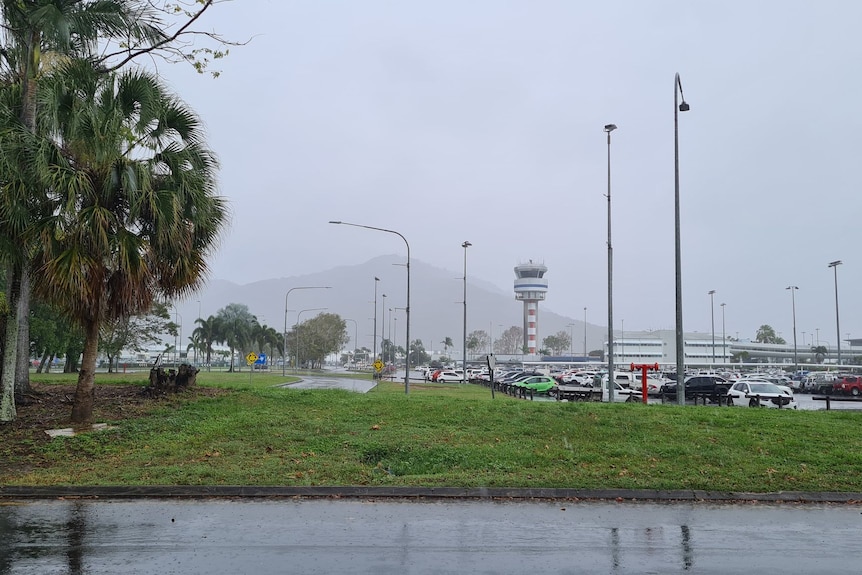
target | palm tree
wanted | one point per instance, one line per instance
(447, 343)
(234, 328)
(31, 30)
(134, 211)
(207, 334)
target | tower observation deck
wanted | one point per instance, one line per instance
(530, 288)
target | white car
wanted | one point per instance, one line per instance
(653, 385)
(449, 375)
(752, 393)
(621, 394)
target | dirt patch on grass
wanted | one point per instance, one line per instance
(50, 407)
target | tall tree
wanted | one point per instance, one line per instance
(235, 324)
(133, 333)
(477, 340)
(447, 343)
(319, 336)
(106, 33)
(135, 211)
(765, 334)
(207, 333)
(33, 28)
(510, 341)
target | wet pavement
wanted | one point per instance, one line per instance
(408, 536)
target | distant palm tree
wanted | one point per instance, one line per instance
(207, 334)
(447, 343)
(235, 325)
(134, 212)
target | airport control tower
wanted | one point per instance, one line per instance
(530, 288)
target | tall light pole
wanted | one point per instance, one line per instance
(355, 338)
(834, 265)
(793, 302)
(723, 337)
(383, 327)
(465, 245)
(407, 362)
(680, 341)
(608, 129)
(284, 353)
(712, 315)
(296, 331)
(374, 336)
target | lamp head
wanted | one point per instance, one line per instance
(684, 107)
(610, 128)
(466, 245)
(334, 222)
(835, 263)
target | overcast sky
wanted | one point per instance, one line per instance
(482, 121)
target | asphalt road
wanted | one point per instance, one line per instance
(424, 537)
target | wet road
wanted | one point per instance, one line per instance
(398, 537)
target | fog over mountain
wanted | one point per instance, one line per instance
(436, 296)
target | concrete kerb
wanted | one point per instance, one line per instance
(361, 492)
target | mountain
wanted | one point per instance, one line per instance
(436, 310)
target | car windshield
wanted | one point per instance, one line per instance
(764, 388)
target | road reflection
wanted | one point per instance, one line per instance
(418, 536)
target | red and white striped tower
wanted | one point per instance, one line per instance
(531, 287)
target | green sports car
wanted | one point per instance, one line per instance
(538, 383)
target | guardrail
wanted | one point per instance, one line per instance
(829, 399)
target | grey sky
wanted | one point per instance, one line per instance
(482, 121)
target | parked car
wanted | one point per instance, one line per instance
(653, 385)
(714, 385)
(538, 383)
(621, 394)
(770, 395)
(848, 385)
(448, 375)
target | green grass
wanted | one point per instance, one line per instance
(450, 435)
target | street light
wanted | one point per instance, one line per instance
(680, 342)
(355, 338)
(284, 351)
(465, 245)
(608, 129)
(383, 326)
(374, 334)
(296, 330)
(723, 337)
(712, 315)
(834, 265)
(793, 302)
(407, 361)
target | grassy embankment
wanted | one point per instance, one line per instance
(445, 435)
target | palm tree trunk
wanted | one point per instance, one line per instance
(82, 407)
(22, 368)
(7, 380)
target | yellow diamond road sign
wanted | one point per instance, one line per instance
(251, 357)
(378, 365)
